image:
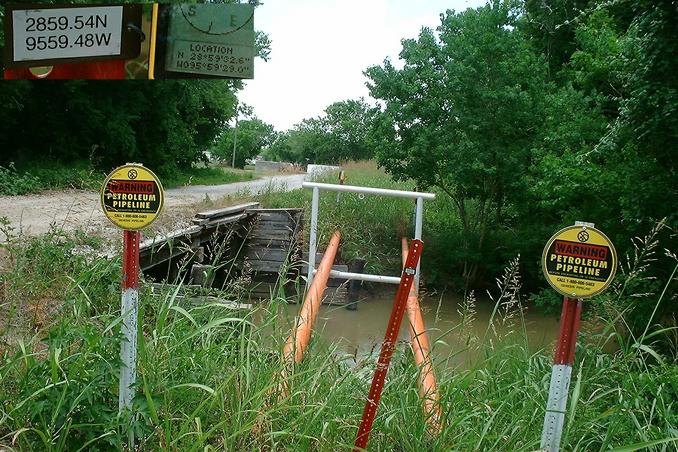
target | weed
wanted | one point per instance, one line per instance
(13, 183)
(206, 374)
(206, 176)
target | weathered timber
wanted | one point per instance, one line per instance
(269, 254)
(218, 213)
(168, 249)
(260, 245)
(272, 251)
(202, 275)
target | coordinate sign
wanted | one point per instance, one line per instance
(132, 197)
(579, 261)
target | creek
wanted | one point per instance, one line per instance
(360, 332)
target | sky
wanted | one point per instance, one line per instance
(320, 49)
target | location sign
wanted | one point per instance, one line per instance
(132, 197)
(211, 40)
(579, 261)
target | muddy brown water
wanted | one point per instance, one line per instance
(359, 333)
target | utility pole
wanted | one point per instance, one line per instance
(235, 134)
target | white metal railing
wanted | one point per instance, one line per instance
(313, 240)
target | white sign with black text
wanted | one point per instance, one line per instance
(41, 34)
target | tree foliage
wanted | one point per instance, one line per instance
(164, 124)
(466, 106)
(344, 132)
(531, 115)
(252, 136)
(167, 124)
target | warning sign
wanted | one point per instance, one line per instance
(579, 261)
(132, 197)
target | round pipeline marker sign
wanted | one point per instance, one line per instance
(132, 197)
(579, 261)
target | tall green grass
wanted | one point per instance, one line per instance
(371, 226)
(208, 375)
(206, 176)
(52, 175)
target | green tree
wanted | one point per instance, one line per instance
(551, 26)
(165, 124)
(253, 135)
(466, 109)
(344, 132)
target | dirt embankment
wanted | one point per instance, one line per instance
(79, 209)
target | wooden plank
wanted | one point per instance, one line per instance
(160, 240)
(274, 224)
(218, 221)
(265, 266)
(270, 243)
(226, 211)
(268, 254)
(294, 210)
(259, 229)
(273, 235)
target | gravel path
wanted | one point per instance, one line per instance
(70, 209)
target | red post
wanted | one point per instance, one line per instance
(570, 319)
(130, 256)
(387, 347)
(129, 312)
(561, 373)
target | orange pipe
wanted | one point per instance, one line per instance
(298, 341)
(422, 357)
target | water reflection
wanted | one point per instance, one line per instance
(449, 324)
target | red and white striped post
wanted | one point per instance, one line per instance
(129, 311)
(570, 320)
(132, 198)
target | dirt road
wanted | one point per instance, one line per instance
(70, 209)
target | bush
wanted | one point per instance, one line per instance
(13, 183)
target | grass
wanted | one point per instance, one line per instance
(207, 176)
(79, 175)
(48, 176)
(208, 375)
(371, 226)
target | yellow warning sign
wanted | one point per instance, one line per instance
(132, 196)
(579, 261)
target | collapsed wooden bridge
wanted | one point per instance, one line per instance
(244, 249)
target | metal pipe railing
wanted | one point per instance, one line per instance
(363, 277)
(369, 190)
(313, 236)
